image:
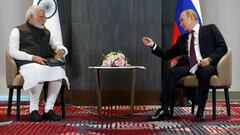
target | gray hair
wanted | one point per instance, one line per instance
(32, 10)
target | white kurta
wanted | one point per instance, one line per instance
(34, 73)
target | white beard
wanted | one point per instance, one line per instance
(39, 26)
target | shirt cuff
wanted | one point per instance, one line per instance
(29, 57)
(154, 47)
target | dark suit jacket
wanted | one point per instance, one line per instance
(211, 44)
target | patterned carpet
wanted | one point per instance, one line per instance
(84, 120)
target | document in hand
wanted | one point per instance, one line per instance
(194, 69)
(54, 62)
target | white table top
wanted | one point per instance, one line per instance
(127, 67)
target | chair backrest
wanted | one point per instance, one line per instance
(11, 69)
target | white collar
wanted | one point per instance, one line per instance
(196, 27)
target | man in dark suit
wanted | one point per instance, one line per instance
(201, 48)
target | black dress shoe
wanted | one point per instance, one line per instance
(35, 116)
(157, 112)
(199, 116)
(51, 115)
(161, 114)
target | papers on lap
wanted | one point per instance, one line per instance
(54, 62)
(194, 69)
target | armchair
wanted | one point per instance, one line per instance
(222, 80)
(15, 81)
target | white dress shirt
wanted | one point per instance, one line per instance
(33, 73)
(196, 42)
(196, 47)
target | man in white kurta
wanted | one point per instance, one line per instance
(29, 45)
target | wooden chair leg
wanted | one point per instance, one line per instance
(18, 104)
(192, 108)
(193, 101)
(214, 104)
(172, 105)
(45, 91)
(62, 101)
(227, 101)
(10, 96)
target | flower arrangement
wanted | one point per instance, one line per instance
(114, 59)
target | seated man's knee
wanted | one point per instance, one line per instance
(205, 72)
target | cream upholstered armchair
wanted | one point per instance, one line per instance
(222, 80)
(15, 81)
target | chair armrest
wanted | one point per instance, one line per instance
(224, 69)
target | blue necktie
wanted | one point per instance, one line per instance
(192, 56)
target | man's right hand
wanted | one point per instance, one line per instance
(39, 60)
(148, 41)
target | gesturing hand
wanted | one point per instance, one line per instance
(39, 60)
(148, 41)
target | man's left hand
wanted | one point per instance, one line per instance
(59, 52)
(205, 62)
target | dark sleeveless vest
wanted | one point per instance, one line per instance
(34, 41)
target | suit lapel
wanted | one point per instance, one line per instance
(200, 37)
(186, 41)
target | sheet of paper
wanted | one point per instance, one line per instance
(194, 69)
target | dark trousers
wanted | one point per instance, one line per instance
(174, 74)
